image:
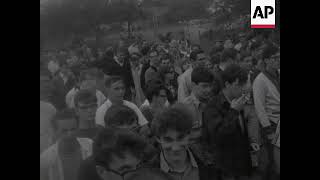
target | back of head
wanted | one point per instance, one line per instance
(176, 117)
(201, 74)
(118, 115)
(153, 88)
(116, 142)
(228, 55)
(234, 72)
(85, 96)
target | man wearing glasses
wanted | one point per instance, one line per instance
(117, 154)
(152, 72)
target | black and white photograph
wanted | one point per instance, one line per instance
(159, 90)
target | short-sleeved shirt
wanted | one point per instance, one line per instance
(101, 111)
(72, 93)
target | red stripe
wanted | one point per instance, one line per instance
(263, 26)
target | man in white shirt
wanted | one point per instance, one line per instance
(88, 80)
(116, 90)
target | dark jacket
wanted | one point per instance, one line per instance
(59, 91)
(205, 172)
(111, 68)
(225, 138)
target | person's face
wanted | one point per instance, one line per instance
(121, 57)
(135, 61)
(203, 90)
(170, 75)
(186, 66)
(162, 98)
(116, 90)
(165, 62)
(120, 168)
(273, 63)
(66, 127)
(86, 111)
(236, 90)
(209, 65)
(154, 58)
(174, 145)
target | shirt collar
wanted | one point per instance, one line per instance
(165, 166)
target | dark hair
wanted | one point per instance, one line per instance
(109, 81)
(201, 74)
(176, 117)
(228, 54)
(116, 142)
(118, 115)
(65, 114)
(234, 72)
(153, 89)
(85, 96)
(268, 50)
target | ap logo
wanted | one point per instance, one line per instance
(263, 14)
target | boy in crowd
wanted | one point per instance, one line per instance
(117, 154)
(225, 129)
(62, 159)
(172, 129)
(88, 80)
(116, 91)
(86, 105)
(156, 95)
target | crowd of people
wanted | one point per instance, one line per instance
(162, 110)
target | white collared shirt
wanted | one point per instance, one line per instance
(101, 111)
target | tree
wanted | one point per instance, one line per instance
(186, 10)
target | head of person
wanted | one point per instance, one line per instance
(88, 79)
(228, 56)
(186, 64)
(156, 93)
(115, 88)
(54, 65)
(166, 73)
(64, 123)
(235, 79)
(117, 153)
(202, 81)
(86, 105)
(270, 57)
(135, 59)
(154, 58)
(121, 117)
(122, 54)
(172, 128)
(198, 58)
(165, 60)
